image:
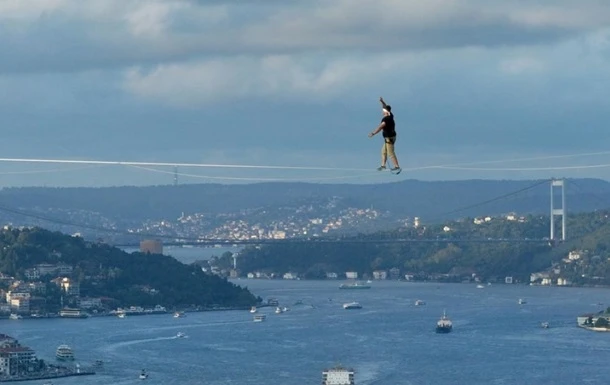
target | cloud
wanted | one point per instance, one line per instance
(75, 35)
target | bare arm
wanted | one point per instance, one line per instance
(383, 103)
(373, 133)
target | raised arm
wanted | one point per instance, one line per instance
(383, 103)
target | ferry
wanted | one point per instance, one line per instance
(355, 285)
(259, 318)
(72, 313)
(338, 376)
(64, 353)
(352, 305)
(444, 325)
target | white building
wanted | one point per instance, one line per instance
(380, 274)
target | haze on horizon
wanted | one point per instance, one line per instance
(296, 83)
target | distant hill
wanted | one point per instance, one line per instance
(433, 202)
(410, 197)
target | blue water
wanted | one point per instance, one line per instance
(389, 341)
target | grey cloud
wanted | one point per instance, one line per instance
(56, 43)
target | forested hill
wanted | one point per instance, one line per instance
(105, 271)
(587, 232)
(404, 198)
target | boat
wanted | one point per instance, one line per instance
(180, 335)
(278, 310)
(522, 301)
(352, 305)
(179, 314)
(15, 316)
(338, 375)
(260, 318)
(419, 302)
(143, 375)
(253, 309)
(444, 325)
(480, 286)
(73, 313)
(355, 285)
(545, 325)
(121, 315)
(64, 353)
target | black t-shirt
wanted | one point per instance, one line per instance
(389, 127)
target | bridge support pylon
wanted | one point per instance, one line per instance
(558, 211)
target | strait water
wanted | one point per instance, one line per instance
(389, 341)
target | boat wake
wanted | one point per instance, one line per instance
(115, 346)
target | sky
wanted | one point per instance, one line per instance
(292, 83)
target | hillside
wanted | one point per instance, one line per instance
(212, 210)
(589, 235)
(104, 271)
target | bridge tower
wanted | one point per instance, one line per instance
(558, 211)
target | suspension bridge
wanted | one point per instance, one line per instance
(553, 238)
(557, 209)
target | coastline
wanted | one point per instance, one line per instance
(594, 329)
(114, 314)
(49, 375)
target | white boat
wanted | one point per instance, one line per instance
(259, 318)
(180, 335)
(338, 376)
(354, 286)
(278, 310)
(64, 353)
(419, 302)
(545, 325)
(479, 286)
(143, 375)
(522, 301)
(352, 305)
(253, 309)
(285, 309)
(179, 314)
(15, 316)
(121, 315)
(444, 325)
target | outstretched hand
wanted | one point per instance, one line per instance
(370, 134)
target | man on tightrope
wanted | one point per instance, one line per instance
(389, 137)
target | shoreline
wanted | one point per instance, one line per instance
(108, 314)
(595, 329)
(47, 376)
